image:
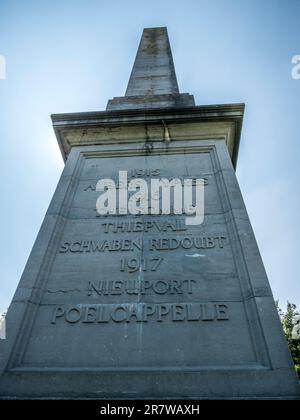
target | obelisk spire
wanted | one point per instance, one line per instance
(153, 71)
(153, 82)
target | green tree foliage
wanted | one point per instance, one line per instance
(288, 321)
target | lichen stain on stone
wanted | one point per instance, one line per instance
(151, 48)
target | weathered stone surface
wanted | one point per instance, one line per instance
(223, 122)
(145, 306)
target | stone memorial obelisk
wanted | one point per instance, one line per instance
(145, 305)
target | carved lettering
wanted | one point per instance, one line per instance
(92, 186)
(101, 246)
(134, 264)
(200, 242)
(176, 225)
(153, 244)
(141, 312)
(140, 287)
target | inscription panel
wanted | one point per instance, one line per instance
(143, 291)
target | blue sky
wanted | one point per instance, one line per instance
(69, 56)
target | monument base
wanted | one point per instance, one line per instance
(250, 384)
